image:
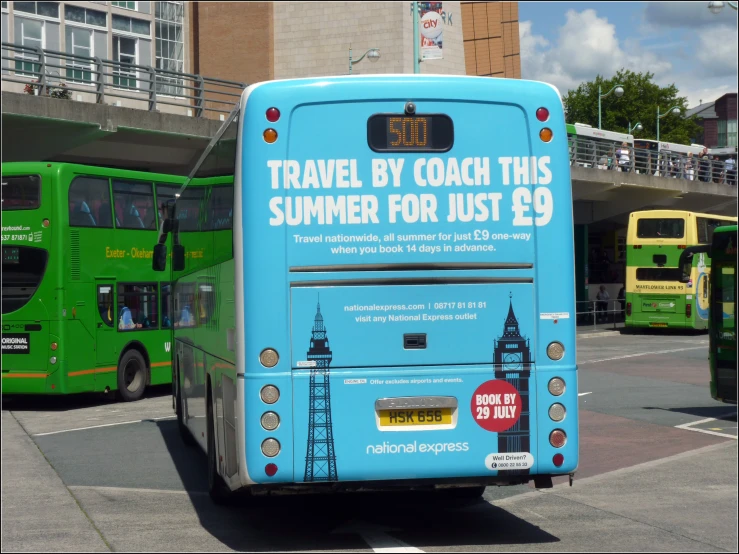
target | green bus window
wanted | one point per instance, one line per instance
(21, 192)
(105, 304)
(206, 302)
(220, 208)
(660, 228)
(23, 271)
(184, 305)
(166, 296)
(189, 205)
(137, 307)
(134, 205)
(89, 203)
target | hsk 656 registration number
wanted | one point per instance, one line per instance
(437, 416)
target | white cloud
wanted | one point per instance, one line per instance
(717, 53)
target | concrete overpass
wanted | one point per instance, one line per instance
(50, 129)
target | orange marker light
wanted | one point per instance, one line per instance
(546, 134)
(270, 135)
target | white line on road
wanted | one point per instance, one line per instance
(105, 425)
(641, 354)
(375, 536)
(131, 490)
(689, 427)
(584, 393)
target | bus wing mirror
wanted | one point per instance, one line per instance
(159, 260)
(178, 257)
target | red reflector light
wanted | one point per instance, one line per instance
(273, 114)
(270, 469)
(688, 310)
(682, 246)
(558, 460)
(628, 308)
(542, 114)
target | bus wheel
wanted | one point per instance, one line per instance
(131, 376)
(185, 433)
(219, 492)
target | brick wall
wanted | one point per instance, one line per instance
(491, 42)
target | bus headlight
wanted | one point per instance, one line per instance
(557, 412)
(270, 421)
(555, 350)
(556, 386)
(269, 394)
(270, 448)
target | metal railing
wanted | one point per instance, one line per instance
(606, 313)
(605, 156)
(42, 70)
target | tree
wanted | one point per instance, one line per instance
(637, 105)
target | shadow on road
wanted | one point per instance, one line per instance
(48, 403)
(656, 332)
(330, 522)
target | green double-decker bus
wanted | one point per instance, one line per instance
(722, 309)
(656, 295)
(82, 309)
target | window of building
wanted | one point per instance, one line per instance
(134, 205)
(189, 205)
(125, 5)
(731, 132)
(31, 36)
(79, 43)
(220, 208)
(105, 304)
(721, 133)
(131, 25)
(75, 14)
(89, 203)
(22, 192)
(137, 307)
(45, 9)
(170, 45)
(166, 296)
(124, 52)
(5, 6)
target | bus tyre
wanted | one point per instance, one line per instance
(185, 433)
(219, 492)
(131, 376)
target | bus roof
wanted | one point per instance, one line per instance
(584, 130)
(678, 213)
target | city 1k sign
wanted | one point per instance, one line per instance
(432, 30)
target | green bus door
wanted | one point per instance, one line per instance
(105, 340)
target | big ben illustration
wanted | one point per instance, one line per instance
(512, 358)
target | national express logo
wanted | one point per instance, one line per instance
(414, 447)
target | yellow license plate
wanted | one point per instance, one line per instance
(434, 416)
(658, 324)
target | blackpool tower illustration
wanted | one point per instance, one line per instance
(320, 461)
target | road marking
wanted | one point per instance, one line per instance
(126, 489)
(105, 425)
(375, 536)
(584, 393)
(641, 354)
(689, 427)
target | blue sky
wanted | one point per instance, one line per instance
(566, 43)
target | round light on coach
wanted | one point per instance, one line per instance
(270, 136)
(556, 386)
(555, 350)
(52, 360)
(546, 134)
(269, 357)
(557, 412)
(269, 394)
(273, 114)
(542, 114)
(557, 438)
(270, 421)
(270, 448)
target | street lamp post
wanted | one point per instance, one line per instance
(619, 89)
(716, 7)
(637, 127)
(373, 54)
(675, 110)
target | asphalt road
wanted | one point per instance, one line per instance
(658, 472)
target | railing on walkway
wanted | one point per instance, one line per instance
(42, 71)
(605, 313)
(601, 155)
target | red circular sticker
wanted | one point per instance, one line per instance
(496, 406)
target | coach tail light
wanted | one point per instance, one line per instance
(546, 134)
(270, 448)
(557, 438)
(273, 115)
(558, 460)
(269, 357)
(269, 394)
(556, 386)
(270, 136)
(688, 310)
(54, 346)
(542, 114)
(555, 350)
(270, 421)
(557, 412)
(628, 308)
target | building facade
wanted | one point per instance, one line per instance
(718, 121)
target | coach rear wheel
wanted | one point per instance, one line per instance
(131, 376)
